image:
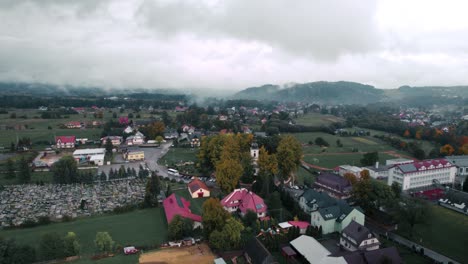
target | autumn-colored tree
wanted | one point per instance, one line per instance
(289, 155)
(418, 134)
(351, 178)
(228, 173)
(154, 129)
(213, 216)
(407, 133)
(268, 168)
(447, 150)
(364, 175)
(362, 191)
(464, 149)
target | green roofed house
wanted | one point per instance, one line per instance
(330, 214)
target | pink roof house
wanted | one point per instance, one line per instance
(244, 200)
(123, 120)
(176, 205)
(65, 141)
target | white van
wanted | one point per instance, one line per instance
(173, 172)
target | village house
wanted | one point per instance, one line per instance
(134, 155)
(136, 139)
(357, 237)
(115, 140)
(422, 173)
(176, 205)
(198, 189)
(62, 142)
(314, 252)
(128, 130)
(332, 215)
(242, 200)
(335, 185)
(171, 134)
(73, 124)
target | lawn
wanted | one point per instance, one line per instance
(316, 119)
(142, 227)
(301, 176)
(333, 160)
(445, 232)
(177, 155)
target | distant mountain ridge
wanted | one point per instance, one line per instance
(344, 92)
(341, 92)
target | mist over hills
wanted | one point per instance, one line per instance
(321, 92)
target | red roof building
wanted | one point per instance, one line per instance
(176, 205)
(198, 189)
(73, 124)
(244, 200)
(65, 141)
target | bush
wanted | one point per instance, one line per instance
(125, 209)
(173, 180)
(67, 218)
(43, 220)
(181, 181)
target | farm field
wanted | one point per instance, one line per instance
(138, 228)
(194, 254)
(443, 233)
(332, 156)
(316, 119)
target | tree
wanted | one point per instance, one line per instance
(159, 139)
(232, 230)
(65, 171)
(267, 169)
(213, 216)
(175, 228)
(412, 211)
(10, 169)
(447, 150)
(321, 142)
(250, 218)
(361, 192)
(24, 172)
(370, 158)
(274, 205)
(104, 242)
(228, 173)
(51, 246)
(109, 146)
(364, 174)
(10, 252)
(71, 245)
(396, 189)
(289, 155)
(218, 240)
(152, 191)
(351, 178)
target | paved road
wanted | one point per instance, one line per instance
(152, 155)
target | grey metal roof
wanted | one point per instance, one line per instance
(459, 161)
(357, 232)
(407, 167)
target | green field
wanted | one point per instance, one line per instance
(302, 176)
(332, 156)
(138, 228)
(445, 232)
(316, 119)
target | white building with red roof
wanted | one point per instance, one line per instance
(198, 189)
(243, 200)
(65, 141)
(176, 205)
(422, 173)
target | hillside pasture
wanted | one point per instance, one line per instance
(316, 119)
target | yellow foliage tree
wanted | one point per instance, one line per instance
(447, 150)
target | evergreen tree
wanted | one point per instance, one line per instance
(153, 189)
(10, 169)
(109, 146)
(24, 171)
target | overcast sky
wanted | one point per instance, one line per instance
(235, 44)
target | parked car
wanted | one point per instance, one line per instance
(130, 250)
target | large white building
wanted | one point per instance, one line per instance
(461, 162)
(422, 173)
(95, 156)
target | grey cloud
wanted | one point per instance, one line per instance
(322, 29)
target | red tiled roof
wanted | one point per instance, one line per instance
(176, 205)
(245, 200)
(74, 123)
(65, 139)
(196, 185)
(300, 224)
